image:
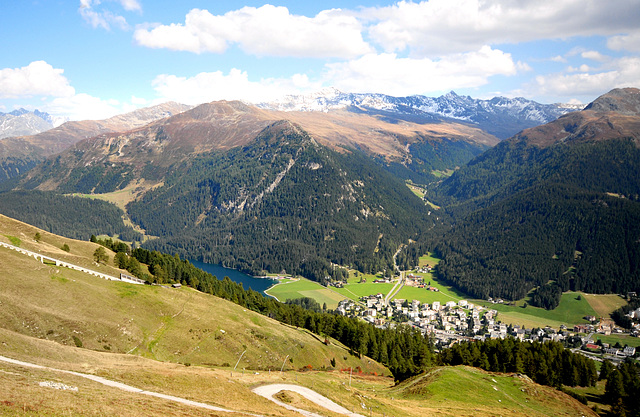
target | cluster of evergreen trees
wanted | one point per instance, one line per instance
(96, 178)
(620, 315)
(546, 363)
(73, 217)
(432, 155)
(547, 296)
(622, 389)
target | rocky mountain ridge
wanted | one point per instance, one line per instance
(149, 151)
(500, 116)
(21, 122)
(612, 115)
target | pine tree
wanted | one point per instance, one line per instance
(614, 389)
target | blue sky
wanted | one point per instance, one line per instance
(92, 59)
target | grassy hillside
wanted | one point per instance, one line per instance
(449, 391)
(176, 325)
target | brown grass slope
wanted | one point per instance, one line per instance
(450, 391)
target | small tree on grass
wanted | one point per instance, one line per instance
(121, 260)
(100, 255)
(37, 237)
(66, 248)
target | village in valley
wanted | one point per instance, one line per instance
(416, 298)
(460, 320)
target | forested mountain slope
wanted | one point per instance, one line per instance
(234, 184)
(558, 202)
(282, 203)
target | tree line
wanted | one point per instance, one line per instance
(582, 241)
(526, 215)
(622, 389)
(73, 217)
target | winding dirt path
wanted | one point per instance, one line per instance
(268, 392)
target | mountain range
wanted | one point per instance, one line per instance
(301, 191)
(32, 139)
(500, 116)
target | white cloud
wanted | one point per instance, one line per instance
(444, 26)
(594, 55)
(55, 95)
(581, 68)
(105, 19)
(83, 107)
(36, 79)
(630, 42)
(131, 5)
(212, 86)
(267, 30)
(138, 101)
(86, 107)
(389, 74)
(623, 72)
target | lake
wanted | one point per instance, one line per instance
(247, 281)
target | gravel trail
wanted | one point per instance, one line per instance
(268, 392)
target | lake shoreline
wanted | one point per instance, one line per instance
(258, 284)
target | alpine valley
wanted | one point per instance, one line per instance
(511, 199)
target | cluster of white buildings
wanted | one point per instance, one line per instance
(452, 317)
(448, 322)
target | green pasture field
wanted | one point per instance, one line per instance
(418, 191)
(426, 296)
(570, 311)
(355, 291)
(428, 260)
(353, 279)
(289, 289)
(442, 174)
(622, 338)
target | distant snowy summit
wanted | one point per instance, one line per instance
(500, 116)
(22, 122)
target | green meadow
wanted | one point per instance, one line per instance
(623, 339)
(289, 289)
(571, 310)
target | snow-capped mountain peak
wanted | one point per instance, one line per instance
(22, 122)
(500, 116)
